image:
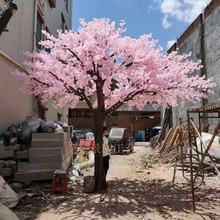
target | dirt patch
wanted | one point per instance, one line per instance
(139, 188)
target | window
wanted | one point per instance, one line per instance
(115, 114)
(39, 30)
(47, 49)
(144, 115)
(117, 132)
(87, 114)
(70, 113)
(62, 23)
(52, 3)
(79, 113)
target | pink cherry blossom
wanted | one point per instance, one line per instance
(99, 61)
(98, 55)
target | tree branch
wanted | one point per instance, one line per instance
(74, 54)
(43, 83)
(70, 89)
(128, 98)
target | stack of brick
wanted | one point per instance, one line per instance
(48, 152)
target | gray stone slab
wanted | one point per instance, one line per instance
(15, 147)
(14, 169)
(42, 143)
(34, 175)
(46, 159)
(36, 136)
(35, 152)
(5, 171)
(7, 154)
(2, 148)
(9, 163)
(24, 166)
(21, 155)
(2, 163)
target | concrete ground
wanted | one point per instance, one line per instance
(139, 188)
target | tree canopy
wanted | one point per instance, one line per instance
(100, 60)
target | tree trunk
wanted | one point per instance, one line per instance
(100, 181)
(40, 109)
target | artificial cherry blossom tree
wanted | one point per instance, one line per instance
(98, 60)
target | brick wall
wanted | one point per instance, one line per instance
(211, 7)
(127, 122)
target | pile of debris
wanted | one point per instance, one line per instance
(175, 146)
(33, 145)
(21, 132)
(167, 149)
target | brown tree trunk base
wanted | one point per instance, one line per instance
(100, 181)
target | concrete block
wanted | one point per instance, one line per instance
(37, 136)
(9, 163)
(2, 163)
(2, 148)
(23, 166)
(15, 147)
(35, 152)
(22, 155)
(14, 169)
(5, 171)
(42, 143)
(45, 159)
(7, 154)
(34, 175)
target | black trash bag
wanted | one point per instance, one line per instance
(26, 134)
(63, 125)
(15, 128)
(1, 135)
(58, 128)
(34, 123)
(25, 146)
(7, 135)
(13, 140)
(47, 126)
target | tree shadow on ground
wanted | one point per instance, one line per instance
(136, 198)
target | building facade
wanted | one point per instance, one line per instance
(202, 38)
(24, 34)
(134, 121)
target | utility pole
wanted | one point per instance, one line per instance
(6, 15)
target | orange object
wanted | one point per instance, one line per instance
(60, 182)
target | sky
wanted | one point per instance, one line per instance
(165, 19)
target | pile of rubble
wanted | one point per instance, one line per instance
(34, 149)
(175, 146)
(167, 149)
